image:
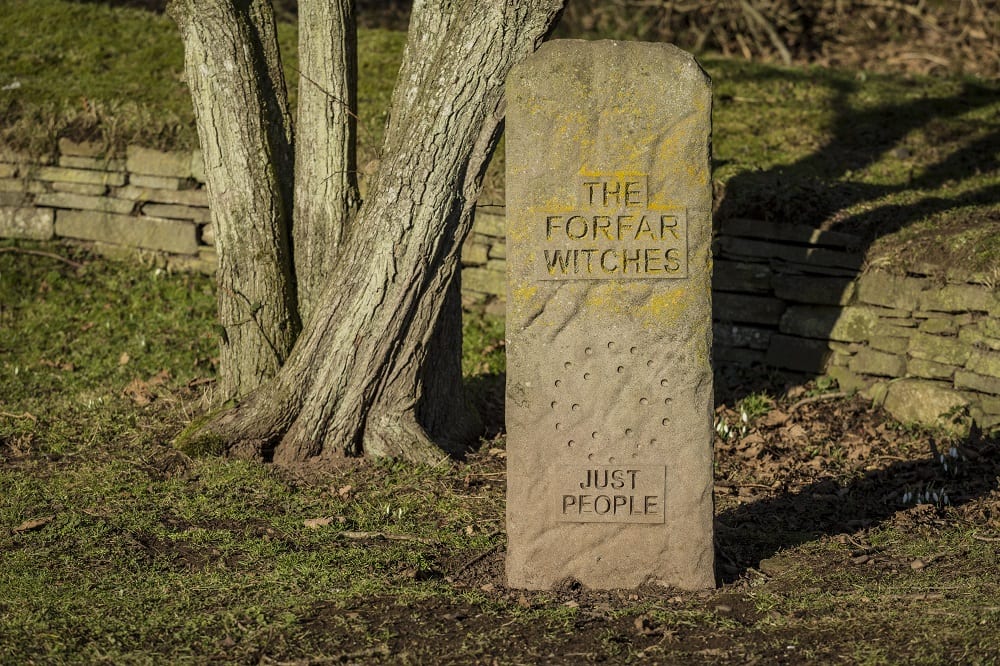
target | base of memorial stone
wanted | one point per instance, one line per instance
(609, 318)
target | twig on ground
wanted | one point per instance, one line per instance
(360, 536)
(26, 415)
(986, 539)
(818, 398)
(478, 558)
(40, 253)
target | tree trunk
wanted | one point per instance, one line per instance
(377, 366)
(326, 186)
(234, 73)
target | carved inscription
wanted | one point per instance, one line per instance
(603, 494)
(613, 234)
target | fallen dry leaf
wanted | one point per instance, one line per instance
(123, 359)
(138, 392)
(31, 525)
(775, 418)
(316, 523)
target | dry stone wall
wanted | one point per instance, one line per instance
(795, 298)
(785, 296)
(149, 200)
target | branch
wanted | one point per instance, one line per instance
(818, 398)
(40, 253)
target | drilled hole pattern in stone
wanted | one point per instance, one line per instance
(624, 372)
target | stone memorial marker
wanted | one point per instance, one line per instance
(609, 317)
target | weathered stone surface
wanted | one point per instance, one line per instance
(156, 163)
(839, 358)
(984, 362)
(990, 327)
(846, 379)
(608, 376)
(847, 324)
(974, 336)
(748, 309)
(81, 148)
(86, 189)
(894, 315)
(741, 336)
(889, 343)
(19, 185)
(92, 163)
(68, 175)
(198, 165)
(29, 223)
(796, 233)
(970, 380)
(924, 402)
(489, 223)
(176, 212)
(958, 298)
(918, 367)
(740, 277)
(205, 262)
(890, 291)
(872, 362)
(7, 170)
(15, 199)
(814, 290)
(801, 354)
(84, 202)
(940, 326)
(498, 251)
(806, 256)
(989, 404)
(905, 329)
(179, 197)
(145, 232)
(849, 348)
(484, 281)
(155, 182)
(474, 254)
(737, 355)
(206, 233)
(950, 351)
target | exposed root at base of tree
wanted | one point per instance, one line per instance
(248, 432)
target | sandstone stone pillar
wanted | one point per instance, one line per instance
(609, 317)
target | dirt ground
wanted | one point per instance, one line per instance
(817, 487)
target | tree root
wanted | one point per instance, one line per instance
(400, 436)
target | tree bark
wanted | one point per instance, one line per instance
(376, 369)
(326, 185)
(234, 72)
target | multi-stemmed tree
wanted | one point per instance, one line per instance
(341, 317)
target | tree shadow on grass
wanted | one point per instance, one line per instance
(761, 344)
(755, 531)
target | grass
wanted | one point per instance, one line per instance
(908, 163)
(122, 81)
(116, 548)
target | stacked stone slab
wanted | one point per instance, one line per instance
(484, 256)
(794, 298)
(609, 383)
(151, 200)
